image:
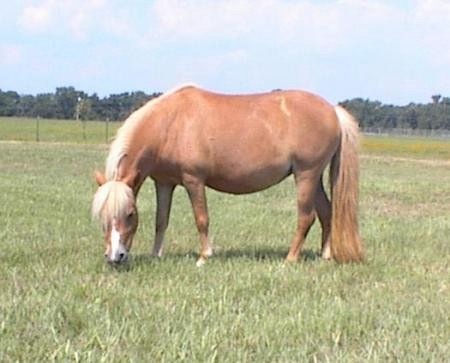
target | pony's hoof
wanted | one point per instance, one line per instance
(208, 252)
(200, 262)
(326, 254)
(156, 251)
(291, 259)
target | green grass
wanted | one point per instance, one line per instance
(59, 301)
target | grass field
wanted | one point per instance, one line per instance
(28, 129)
(59, 301)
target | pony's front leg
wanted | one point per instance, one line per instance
(197, 196)
(164, 195)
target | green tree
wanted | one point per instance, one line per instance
(67, 99)
(26, 105)
(84, 108)
(45, 106)
(8, 103)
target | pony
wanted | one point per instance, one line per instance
(235, 144)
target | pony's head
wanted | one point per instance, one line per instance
(114, 206)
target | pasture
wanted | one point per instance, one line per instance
(59, 301)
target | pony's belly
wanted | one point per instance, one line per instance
(248, 181)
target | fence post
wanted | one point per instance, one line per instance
(106, 130)
(37, 129)
(84, 130)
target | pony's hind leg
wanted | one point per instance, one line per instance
(197, 196)
(323, 208)
(306, 183)
(164, 195)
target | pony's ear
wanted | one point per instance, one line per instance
(132, 179)
(99, 178)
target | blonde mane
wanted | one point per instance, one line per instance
(111, 200)
(123, 138)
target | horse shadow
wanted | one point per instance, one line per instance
(262, 254)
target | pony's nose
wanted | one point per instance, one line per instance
(122, 257)
(117, 258)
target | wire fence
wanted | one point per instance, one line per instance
(435, 134)
(45, 130)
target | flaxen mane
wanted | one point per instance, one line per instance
(112, 199)
(121, 143)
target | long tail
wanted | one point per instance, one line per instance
(346, 245)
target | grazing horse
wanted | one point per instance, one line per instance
(235, 144)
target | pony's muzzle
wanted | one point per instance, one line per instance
(117, 258)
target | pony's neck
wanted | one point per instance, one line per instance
(135, 149)
(129, 173)
(135, 158)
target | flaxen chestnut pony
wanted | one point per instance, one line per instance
(235, 144)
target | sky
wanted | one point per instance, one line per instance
(396, 52)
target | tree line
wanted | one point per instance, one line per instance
(69, 103)
(434, 115)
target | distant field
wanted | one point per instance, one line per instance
(420, 147)
(26, 129)
(59, 301)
